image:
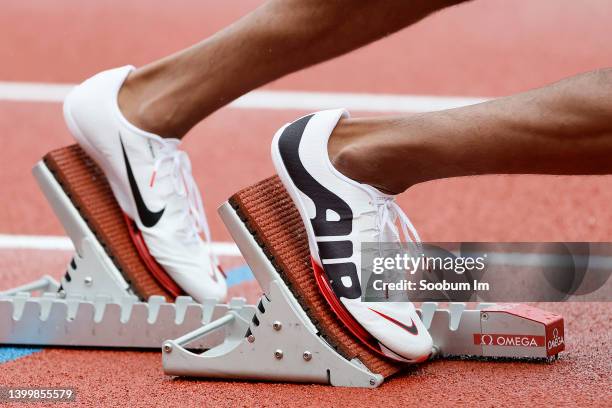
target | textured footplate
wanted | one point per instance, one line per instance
(87, 187)
(273, 220)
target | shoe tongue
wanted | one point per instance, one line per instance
(171, 141)
(156, 144)
(163, 142)
(376, 194)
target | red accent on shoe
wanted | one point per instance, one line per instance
(410, 329)
(152, 179)
(156, 269)
(348, 320)
(345, 317)
(422, 359)
(222, 272)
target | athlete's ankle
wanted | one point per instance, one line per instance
(359, 152)
(145, 104)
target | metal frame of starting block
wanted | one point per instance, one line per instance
(279, 342)
(93, 305)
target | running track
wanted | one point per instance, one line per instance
(483, 49)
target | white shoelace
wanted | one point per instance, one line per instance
(387, 213)
(185, 186)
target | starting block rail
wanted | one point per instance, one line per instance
(290, 335)
(49, 320)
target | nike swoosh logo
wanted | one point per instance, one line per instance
(410, 329)
(147, 218)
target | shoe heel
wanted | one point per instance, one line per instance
(121, 197)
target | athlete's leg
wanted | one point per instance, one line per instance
(170, 96)
(564, 128)
(150, 176)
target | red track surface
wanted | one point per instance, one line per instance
(484, 48)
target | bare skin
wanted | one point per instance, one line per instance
(563, 128)
(168, 97)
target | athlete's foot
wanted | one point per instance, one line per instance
(339, 214)
(152, 182)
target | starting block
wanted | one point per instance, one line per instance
(294, 336)
(110, 298)
(99, 300)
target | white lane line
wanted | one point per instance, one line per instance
(33, 91)
(61, 243)
(275, 100)
(44, 242)
(351, 101)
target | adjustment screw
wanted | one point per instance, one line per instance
(88, 281)
(167, 348)
(278, 354)
(307, 355)
(251, 338)
(484, 316)
(61, 293)
(277, 325)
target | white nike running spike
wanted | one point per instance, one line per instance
(362, 214)
(152, 182)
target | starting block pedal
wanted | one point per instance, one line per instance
(83, 201)
(294, 336)
(111, 297)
